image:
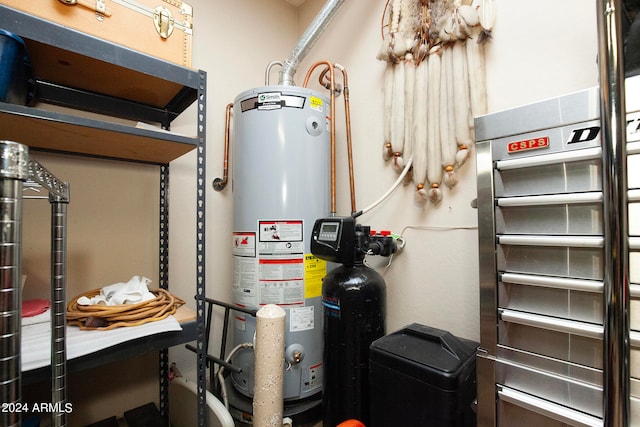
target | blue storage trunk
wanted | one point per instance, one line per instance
(15, 70)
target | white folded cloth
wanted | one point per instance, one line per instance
(134, 291)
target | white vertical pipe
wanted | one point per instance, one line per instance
(269, 367)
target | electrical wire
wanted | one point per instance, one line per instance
(400, 238)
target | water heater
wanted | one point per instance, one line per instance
(281, 185)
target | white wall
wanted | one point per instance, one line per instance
(539, 50)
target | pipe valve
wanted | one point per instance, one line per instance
(294, 354)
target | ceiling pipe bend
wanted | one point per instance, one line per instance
(308, 39)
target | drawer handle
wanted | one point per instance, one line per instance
(553, 282)
(550, 159)
(562, 241)
(553, 324)
(548, 409)
(551, 199)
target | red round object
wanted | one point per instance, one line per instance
(34, 307)
(351, 423)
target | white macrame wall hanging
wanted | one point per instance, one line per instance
(434, 86)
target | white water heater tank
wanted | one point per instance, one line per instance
(281, 185)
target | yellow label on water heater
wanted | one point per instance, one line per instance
(315, 103)
(314, 271)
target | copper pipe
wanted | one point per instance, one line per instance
(347, 113)
(332, 126)
(220, 183)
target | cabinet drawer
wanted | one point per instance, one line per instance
(571, 299)
(543, 388)
(572, 214)
(510, 414)
(577, 262)
(554, 343)
(554, 178)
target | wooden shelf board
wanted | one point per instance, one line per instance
(69, 134)
(81, 72)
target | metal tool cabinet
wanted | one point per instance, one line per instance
(542, 262)
(86, 73)
(558, 233)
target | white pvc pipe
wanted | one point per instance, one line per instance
(268, 400)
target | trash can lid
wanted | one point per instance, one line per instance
(426, 353)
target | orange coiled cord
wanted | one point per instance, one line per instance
(105, 317)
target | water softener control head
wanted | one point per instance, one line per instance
(333, 239)
(341, 240)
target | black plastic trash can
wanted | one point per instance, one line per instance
(422, 376)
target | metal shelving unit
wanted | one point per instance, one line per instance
(85, 73)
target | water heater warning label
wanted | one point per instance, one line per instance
(281, 281)
(315, 103)
(314, 271)
(280, 263)
(281, 231)
(244, 244)
(301, 319)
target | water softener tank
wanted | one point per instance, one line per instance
(281, 184)
(354, 298)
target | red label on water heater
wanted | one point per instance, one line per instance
(528, 144)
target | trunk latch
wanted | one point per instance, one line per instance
(163, 21)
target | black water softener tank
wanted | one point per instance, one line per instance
(353, 300)
(422, 376)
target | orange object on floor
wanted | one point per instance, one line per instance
(351, 423)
